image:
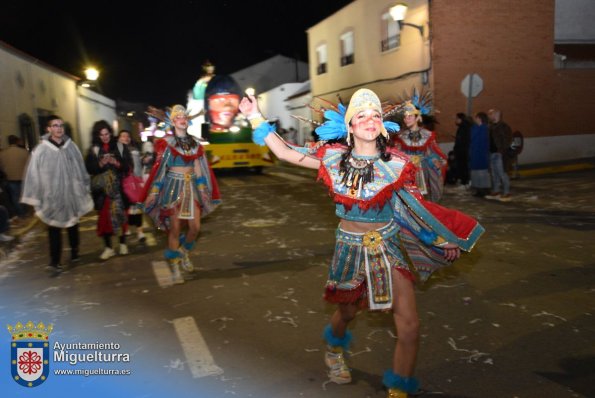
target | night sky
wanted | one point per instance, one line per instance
(153, 53)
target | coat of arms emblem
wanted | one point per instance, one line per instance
(30, 353)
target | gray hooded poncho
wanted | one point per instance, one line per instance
(56, 183)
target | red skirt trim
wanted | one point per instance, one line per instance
(359, 295)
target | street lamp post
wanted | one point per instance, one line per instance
(91, 76)
(398, 13)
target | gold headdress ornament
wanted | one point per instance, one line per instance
(169, 114)
(362, 100)
(409, 109)
(180, 110)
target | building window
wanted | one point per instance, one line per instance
(321, 59)
(347, 48)
(391, 33)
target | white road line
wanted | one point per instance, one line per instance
(162, 273)
(287, 176)
(198, 357)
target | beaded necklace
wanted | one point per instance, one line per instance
(414, 135)
(359, 170)
(186, 143)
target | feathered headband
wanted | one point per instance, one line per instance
(167, 116)
(417, 104)
(338, 117)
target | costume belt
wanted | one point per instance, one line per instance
(186, 211)
(377, 266)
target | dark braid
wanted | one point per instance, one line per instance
(344, 157)
(383, 144)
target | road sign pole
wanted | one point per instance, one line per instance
(470, 95)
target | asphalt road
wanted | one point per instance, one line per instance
(514, 318)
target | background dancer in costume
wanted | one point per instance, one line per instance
(180, 190)
(421, 146)
(379, 206)
(108, 161)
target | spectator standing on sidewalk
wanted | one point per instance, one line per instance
(134, 211)
(13, 161)
(108, 161)
(500, 140)
(461, 147)
(56, 184)
(479, 155)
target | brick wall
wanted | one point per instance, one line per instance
(510, 44)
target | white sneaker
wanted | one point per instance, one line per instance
(6, 238)
(186, 263)
(493, 196)
(123, 249)
(339, 372)
(176, 275)
(108, 253)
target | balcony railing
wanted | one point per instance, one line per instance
(347, 60)
(390, 43)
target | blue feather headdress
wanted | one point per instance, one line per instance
(335, 126)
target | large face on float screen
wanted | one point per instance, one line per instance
(223, 109)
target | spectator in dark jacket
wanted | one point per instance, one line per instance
(500, 140)
(461, 147)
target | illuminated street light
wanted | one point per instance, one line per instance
(91, 74)
(398, 13)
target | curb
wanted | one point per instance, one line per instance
(555, 169)
(18, 232)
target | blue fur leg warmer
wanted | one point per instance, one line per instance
(186, 245)
(171, 254)
(405, 384)
(337, 341)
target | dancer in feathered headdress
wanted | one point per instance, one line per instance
(180, 189)
(382, 243)
(421, 146)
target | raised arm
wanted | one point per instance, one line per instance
(249, 108)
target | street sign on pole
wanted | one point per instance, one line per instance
(471, 86)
